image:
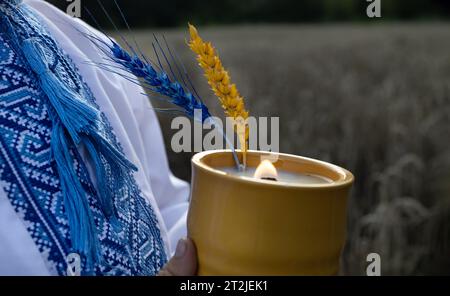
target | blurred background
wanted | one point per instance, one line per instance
(369, 94)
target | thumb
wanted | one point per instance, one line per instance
(184, 262)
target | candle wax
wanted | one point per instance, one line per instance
(283, 176)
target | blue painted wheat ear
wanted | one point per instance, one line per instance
(133, 65)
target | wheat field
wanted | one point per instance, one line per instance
(374, 99)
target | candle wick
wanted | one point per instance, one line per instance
(269, 178)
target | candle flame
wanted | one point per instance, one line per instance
(266, 170)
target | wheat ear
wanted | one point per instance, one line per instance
(219, 80)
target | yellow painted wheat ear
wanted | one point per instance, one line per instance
(219, 80)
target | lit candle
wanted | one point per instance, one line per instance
(286, 217)
(266, 171)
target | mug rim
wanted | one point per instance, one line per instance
(345, 179)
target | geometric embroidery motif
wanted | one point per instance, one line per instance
(30, 179)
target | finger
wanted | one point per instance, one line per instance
(184, 262)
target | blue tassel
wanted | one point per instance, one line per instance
(77, 123)
(75, 113)
(81, 224)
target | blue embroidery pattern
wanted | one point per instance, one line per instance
(30, 179)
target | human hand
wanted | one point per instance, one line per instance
(184, 261)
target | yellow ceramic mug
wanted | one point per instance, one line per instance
(245, 227)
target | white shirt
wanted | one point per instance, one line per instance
(137, 129)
